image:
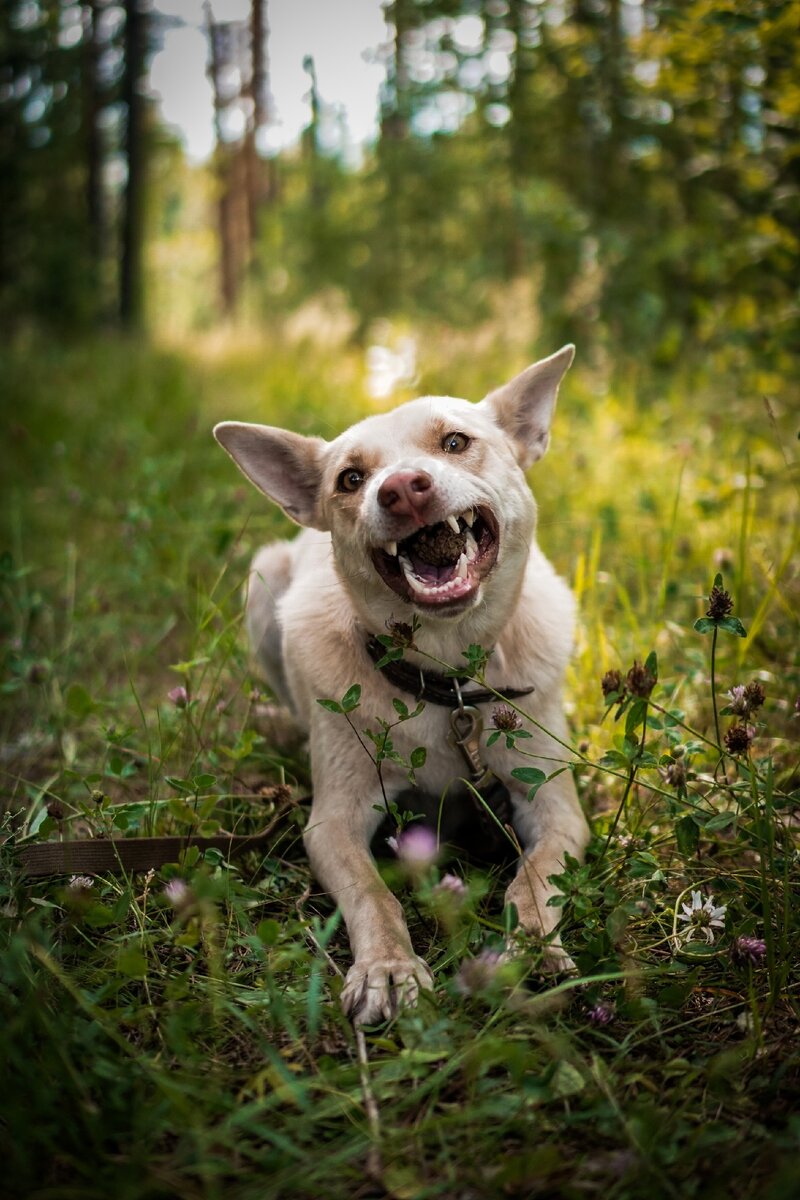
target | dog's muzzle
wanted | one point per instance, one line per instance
(441, 565)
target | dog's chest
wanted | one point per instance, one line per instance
(455, 749)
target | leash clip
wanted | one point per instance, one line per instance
(466, 725)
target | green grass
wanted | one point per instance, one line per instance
(198, 1051)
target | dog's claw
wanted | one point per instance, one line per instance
(374, 991)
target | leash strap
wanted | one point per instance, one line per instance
(97, 856)
(101, 855)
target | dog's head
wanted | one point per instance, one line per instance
(424, 503)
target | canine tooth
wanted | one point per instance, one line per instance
(390, 548)
(471, 547)
(468, 516)
(453, 523)
(461, 569)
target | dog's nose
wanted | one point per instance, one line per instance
(406, 493)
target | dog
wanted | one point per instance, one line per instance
(418, 519)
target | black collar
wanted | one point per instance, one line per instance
(434, 687)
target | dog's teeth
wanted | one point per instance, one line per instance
(461, 569)
(390, 548)
(453, 523)
(468, 516)
(471, 547)
(417, 586)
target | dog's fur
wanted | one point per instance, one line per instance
(312, 603)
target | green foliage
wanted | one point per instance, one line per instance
(180, 1035)
(625, 164)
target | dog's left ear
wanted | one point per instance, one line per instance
(524, 407)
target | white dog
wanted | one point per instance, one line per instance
(425, 513)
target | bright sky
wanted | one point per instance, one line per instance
(336, 33)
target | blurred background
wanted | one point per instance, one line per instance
(622, 173)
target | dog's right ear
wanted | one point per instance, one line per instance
(285, 466)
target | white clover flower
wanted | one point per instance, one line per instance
(701, 919)
(80, 883)
(177, 892)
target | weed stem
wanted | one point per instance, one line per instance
(714, 696)
(374, 1164)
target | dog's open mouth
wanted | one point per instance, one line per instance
(441, 564)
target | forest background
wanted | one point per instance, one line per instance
(623, 174)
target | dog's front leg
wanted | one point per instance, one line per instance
(386, 972)
(549, 826)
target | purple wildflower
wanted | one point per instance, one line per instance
(504, 717)
(745, 698)
(477, 974)
(738, 738)
(601, 1013)
(451, 885)
(640, 681)
(720, 603)
(738, 701)
(417, 845)
(612, 684)
(748, 951)
(179, 696)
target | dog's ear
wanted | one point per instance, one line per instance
(524, 407)
(284, 466)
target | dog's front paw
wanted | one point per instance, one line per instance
(376, 988)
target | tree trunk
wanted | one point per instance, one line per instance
(132, 257)
(225, 203)
(395, 118)
(92, 103)
(519, 138)
(311, 139)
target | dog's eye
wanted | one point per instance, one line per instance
(454, 443)
(350, 480)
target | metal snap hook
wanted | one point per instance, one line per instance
(466, 724)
